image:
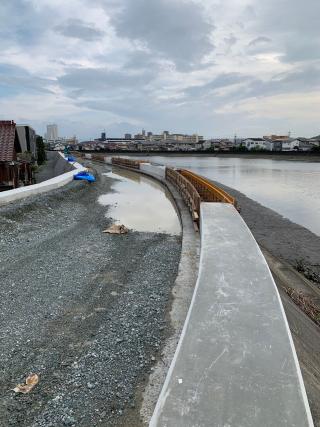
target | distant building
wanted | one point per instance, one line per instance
(60, 143)
(27, 138)
(315, 140)
(257, 143)
(140, 135)
(220, 144)
(127, 136)
(52, 132)
(276, 137)
(297, 144)
(195, 138)
(277, 145)
(177, 137)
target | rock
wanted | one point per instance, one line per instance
(69, 421)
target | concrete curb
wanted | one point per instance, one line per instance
(43, 187)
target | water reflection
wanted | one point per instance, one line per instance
(291, 188)
(140, 203)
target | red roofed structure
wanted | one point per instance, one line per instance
(12, 171)
(7, 141)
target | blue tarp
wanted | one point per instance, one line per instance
(86, 176)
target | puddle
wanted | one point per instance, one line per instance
(140, 203)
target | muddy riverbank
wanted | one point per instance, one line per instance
(84, 310)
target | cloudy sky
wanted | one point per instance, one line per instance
(215, 67)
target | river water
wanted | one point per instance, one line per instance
(140, 203)
(291, 188)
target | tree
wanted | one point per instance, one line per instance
(40, 150)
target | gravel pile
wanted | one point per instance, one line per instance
(84, 310)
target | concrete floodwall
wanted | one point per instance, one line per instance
(235, 364)
(43, 187)
(158, 170)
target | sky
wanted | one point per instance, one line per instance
(212, 67)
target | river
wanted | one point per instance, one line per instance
(291, 188)
(140, 203)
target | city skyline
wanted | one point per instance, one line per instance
(211, 67)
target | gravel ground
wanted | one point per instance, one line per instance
(54, 166)
(84, 310)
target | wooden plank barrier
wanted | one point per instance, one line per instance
(134, 164)
(208, 191)
(188, 192)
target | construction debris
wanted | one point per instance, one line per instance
(31, 381)
(116, 229)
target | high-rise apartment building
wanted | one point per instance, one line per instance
(52, 132)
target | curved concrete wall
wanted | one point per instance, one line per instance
(158, 170)
(235, 364)
(43, 187)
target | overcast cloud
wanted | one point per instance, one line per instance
(216, 67)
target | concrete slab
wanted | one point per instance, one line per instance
(235, 364)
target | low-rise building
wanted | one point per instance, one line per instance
(315, 141)
(297, 144)
(15, 169)
(257, 144)
(276, 137)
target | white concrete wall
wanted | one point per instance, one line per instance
(43, 187)
(235, 364)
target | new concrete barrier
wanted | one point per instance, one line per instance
(235, 364)
(43, 187)
(158, 170)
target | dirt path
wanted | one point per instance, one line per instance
(84, 310)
